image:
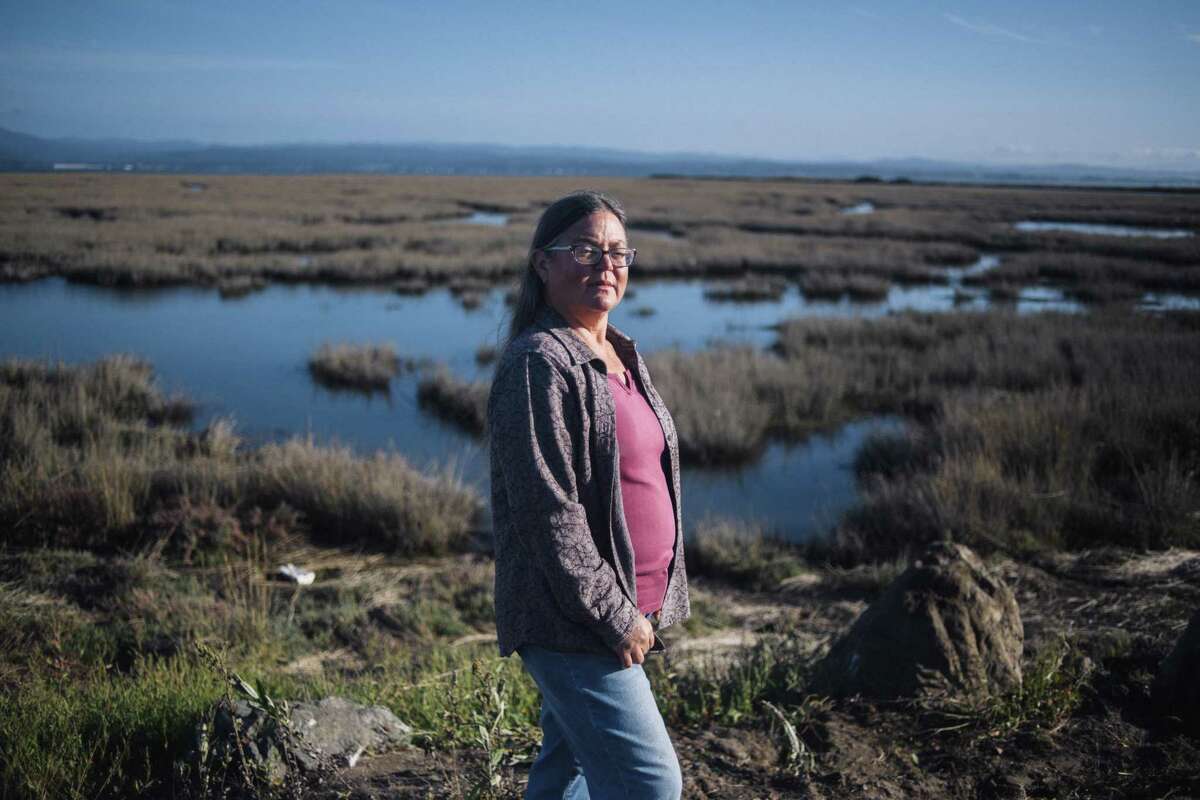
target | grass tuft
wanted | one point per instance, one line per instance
(364, 367)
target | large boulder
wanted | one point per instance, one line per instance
(948, 624)
(1176, 689)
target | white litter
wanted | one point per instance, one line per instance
(301, 577)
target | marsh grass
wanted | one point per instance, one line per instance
(747, 290)
(461, 403)
(742, 554)
(365, 367)
(378, 500)
(728, 401)
(92, 456)
(862, 288)
(1038, 433)
(148, 230)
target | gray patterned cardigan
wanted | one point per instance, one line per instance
(564, 560)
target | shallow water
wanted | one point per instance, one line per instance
(860, 208)
(797, 490)
(478, 218)
(1034, 226)
(247, 358)
(1155, 301)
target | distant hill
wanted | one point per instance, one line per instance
(24, 152)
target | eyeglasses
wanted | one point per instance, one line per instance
(589, 255)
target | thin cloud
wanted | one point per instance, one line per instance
(988, 29)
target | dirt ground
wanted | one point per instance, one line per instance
(1121, 613)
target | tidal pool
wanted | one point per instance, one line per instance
(860, 208)
(246, 358)
(1034, 226)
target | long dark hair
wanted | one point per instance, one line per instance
(558, 216)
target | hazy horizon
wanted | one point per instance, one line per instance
(1095, 83)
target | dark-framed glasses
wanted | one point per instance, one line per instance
(589, 255)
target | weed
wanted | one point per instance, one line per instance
(1051, 690)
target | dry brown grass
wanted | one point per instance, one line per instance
(93, 456)
(129, 230)
(1039, 432)
(365, 367)
(463, 403)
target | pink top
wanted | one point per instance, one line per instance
(649, 514)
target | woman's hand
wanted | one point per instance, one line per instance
(637, 643)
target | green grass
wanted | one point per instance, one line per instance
(102, 734)
(1051, 690)
(731, 692)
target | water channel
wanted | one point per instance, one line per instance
(1097, 229)
(246, 358)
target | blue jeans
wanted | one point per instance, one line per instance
(602, 734)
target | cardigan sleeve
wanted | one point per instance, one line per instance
(527, 423)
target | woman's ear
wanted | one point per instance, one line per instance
(541, 265)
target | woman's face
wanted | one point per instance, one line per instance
(577, 290)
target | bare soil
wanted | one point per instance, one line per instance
(1121, 612)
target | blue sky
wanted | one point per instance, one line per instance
(1015, 82)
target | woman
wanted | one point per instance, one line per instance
(585, 505)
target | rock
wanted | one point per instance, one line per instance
(947, 624)
(340, 729)
(1176, 690)
(332, 733)
(262, 742)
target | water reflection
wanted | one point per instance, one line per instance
(797, 489)
(1034, 226)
